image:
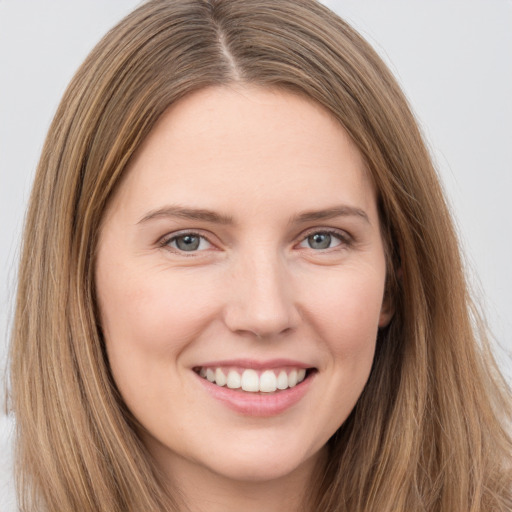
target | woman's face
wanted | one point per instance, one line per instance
(243, 247)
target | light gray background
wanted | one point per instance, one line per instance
(452, 57)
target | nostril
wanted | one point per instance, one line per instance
(261, 313)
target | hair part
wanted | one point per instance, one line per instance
(430, 429)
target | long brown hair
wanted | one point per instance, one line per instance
(430, 431)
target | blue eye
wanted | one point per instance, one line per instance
(322, 240)
(188, 242)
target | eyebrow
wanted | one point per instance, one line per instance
(187, 213)
(331, 213)
(217, 218)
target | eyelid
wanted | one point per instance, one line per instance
(345, 238)
(164, 241)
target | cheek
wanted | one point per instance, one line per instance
(345, 312)
(346, 309)
(342, 310)
(147, 320)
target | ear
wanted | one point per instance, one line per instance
(386, 311)
(388, 302)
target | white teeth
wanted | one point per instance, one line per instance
(234, 380)
(282, 380)
(268, 381)
(250, 381)
(220, 378)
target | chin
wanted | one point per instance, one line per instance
(264, 465)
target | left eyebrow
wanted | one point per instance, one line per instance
(330, 213)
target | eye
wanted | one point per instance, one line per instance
(187, 242)
(321, 240)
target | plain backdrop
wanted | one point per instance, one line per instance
(453, 59)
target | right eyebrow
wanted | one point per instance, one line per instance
(187, 213)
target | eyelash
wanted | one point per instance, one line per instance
(167, 240)
(344, 238)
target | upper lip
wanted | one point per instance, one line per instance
(255, 364)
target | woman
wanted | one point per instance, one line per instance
(240, 285)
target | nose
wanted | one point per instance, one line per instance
(261, 300)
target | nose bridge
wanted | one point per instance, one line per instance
(262, 301)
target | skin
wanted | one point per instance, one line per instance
(255, 288)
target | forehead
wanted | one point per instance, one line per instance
(225, 142)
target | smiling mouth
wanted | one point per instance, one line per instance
(254, 381)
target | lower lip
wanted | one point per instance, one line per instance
(258, 404)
